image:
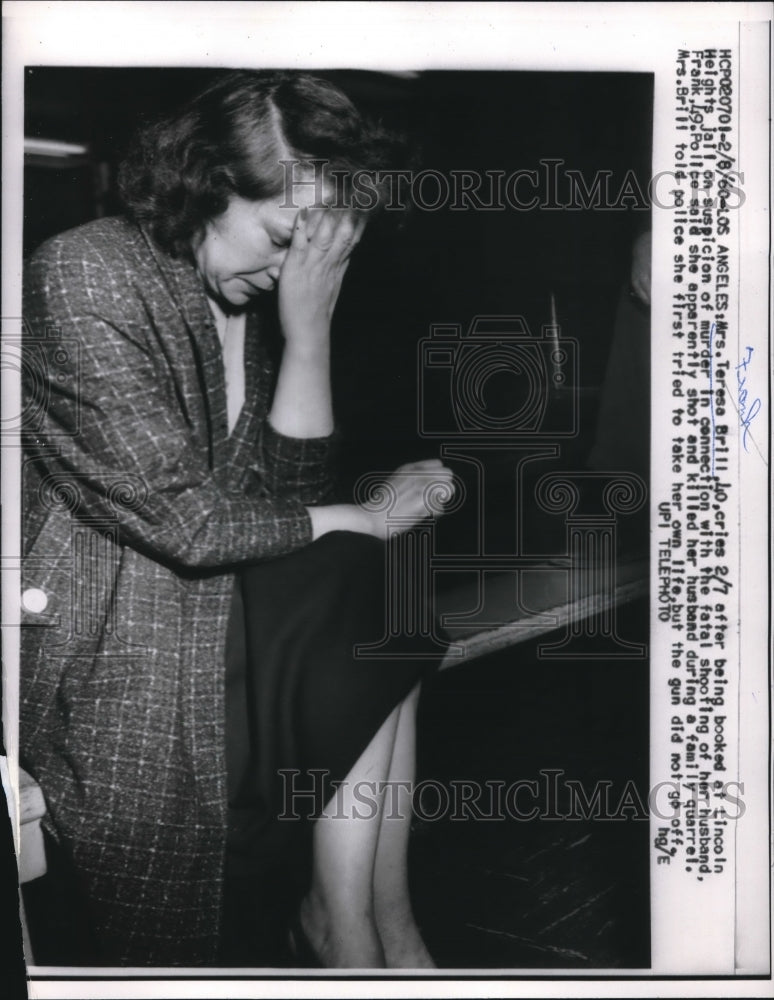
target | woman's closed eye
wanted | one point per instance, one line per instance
(281, 241)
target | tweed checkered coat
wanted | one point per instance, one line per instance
(138, 508)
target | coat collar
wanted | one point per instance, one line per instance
(185, 286)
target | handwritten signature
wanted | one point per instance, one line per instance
(747, 411)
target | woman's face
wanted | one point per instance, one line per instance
(241, 252)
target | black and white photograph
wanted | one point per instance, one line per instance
(385, 468)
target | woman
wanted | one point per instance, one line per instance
(171, 453)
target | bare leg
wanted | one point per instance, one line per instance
(400, 936)
(337, 915)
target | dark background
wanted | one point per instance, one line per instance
(496, 895)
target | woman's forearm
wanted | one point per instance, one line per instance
(309, 285)
(302, 406)
(342, 517)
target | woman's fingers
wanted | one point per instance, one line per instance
(348, 232)
(314, 268)
(324, 230)
(335, 235)
(307, 224)
(360, 224)
(298, 238)
(416, 495)
(314, 220)
(412, 481)
(425, 465)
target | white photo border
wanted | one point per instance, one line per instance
(422, 36)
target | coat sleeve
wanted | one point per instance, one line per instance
(296, 467)
(113, 440)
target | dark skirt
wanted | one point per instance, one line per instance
(300, 709)
(301, 704)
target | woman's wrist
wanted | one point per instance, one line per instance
(342, 517)
(310, 346)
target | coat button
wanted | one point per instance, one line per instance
(34, 600)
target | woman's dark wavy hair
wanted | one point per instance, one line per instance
(229, 140)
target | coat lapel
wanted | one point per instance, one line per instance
(242, 445)
(186, 291)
